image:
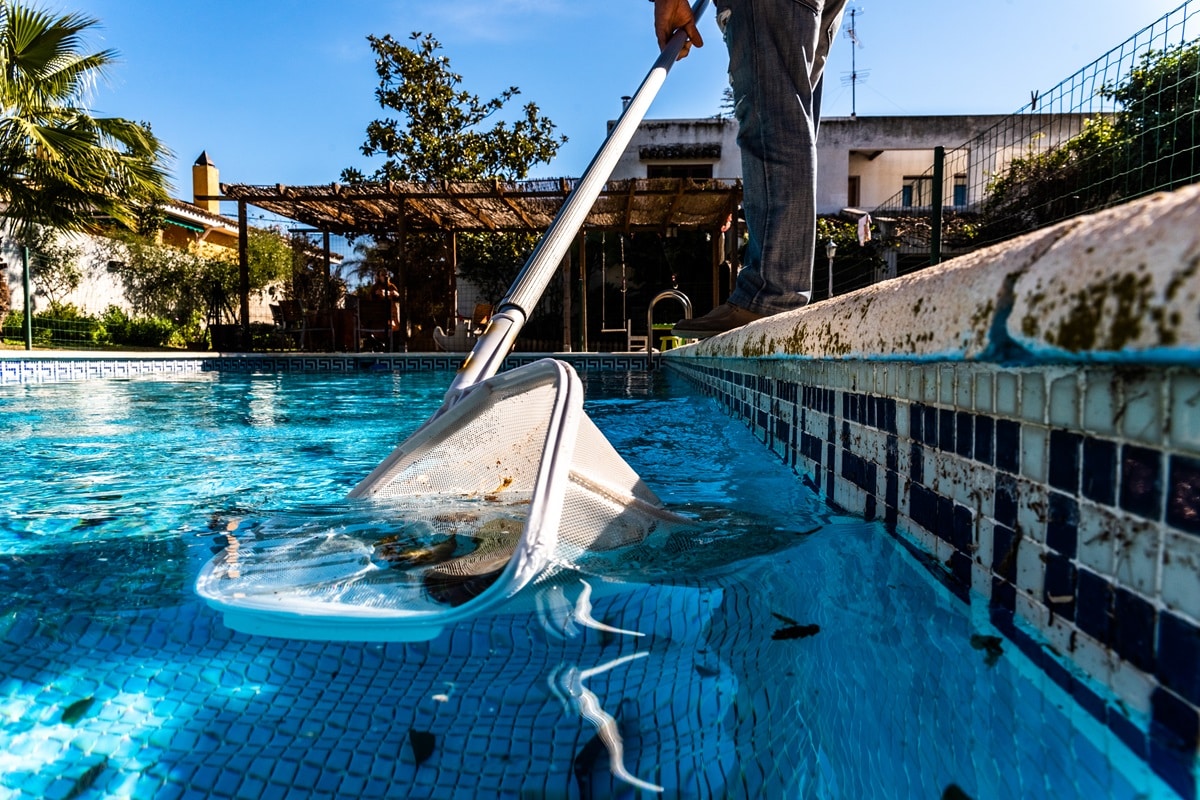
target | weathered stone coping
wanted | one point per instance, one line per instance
(1121, 285)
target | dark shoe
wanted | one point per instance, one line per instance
(724, 317)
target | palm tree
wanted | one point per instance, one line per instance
(60, 167)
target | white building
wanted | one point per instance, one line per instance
(862, 162)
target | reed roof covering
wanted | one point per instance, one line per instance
(624, 205)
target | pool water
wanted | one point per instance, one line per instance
(788, 652)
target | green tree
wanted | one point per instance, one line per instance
(53, 266)
(61, 167)
(187, 286)
(443, 132)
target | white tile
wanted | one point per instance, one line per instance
(1032, 501)
(983, 391)
(1097, 534)
(1031, 568)
(1143, 417)
(1181, 574)
(1064, 401)
(1136, 557)
(1034, 453)
(986, 530)
(946, 386)
(929, 390)
(1185, 411)
(1093, 658)
(1132, 686)
(1006, 393)
(964, 386)
(1033, 397)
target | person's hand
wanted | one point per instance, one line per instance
(673, 15)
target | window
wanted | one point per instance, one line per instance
(917, 191)
(960, 190)
(853, 186)
(696, 171)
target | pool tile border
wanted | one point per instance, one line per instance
(44, 367)
(1056, 493)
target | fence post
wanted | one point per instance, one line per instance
(26, 284)
(935, 221)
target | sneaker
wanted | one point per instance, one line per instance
(724, 317)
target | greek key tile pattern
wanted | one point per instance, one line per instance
(1067, 499)
(79, 367)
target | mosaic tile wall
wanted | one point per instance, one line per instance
(53, 369)
(1067, 498)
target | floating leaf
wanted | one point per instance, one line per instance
(74, 712)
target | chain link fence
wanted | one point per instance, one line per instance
(1124, 126)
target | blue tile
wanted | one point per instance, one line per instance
(984, 439)
(1100, 470)
(1178, 660)
(1134, 622)
(964, 434)
(945, 440)
(922, 507)
(1175, 733)
(892, 459)
(1008, 445)
(1004, 595)
(916, 463)
(1064, 461)
(1004, 552)
(1004, 510)
(1062, 524)
(1183, 494)
(929, 427)
(916, 416)
(1141, 481)
(1093, 607)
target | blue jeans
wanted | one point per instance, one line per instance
(777, 53)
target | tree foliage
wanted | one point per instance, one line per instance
(439, 132)
(186, 285)
(1150, 144)
(61, 167)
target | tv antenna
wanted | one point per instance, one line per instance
(854, 76)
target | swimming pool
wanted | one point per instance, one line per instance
(832, 665)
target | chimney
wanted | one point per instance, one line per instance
(206, 182)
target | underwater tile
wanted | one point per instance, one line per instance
(1034, 443)
(1007, 386)
(1033, 397)
(1142, 419)
(1099, 474)
(1064, 460)
(1178, 656)
(1134, 624)
(984, 380)
(1185, 411)
(1183, 494)
(1064, 401)
(1094, 606)
(1141, 481)
(1137, 557)
(1096, 536)
(1181, 573)
(1100, 402)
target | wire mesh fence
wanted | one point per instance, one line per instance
(1124, 126)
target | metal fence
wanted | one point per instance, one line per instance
(1126, 125)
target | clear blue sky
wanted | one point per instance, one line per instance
(281, 91)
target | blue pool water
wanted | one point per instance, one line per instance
(830, 665)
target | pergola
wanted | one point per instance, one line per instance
(401, 208)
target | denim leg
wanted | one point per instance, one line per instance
(777, 53)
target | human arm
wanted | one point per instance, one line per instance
(673, 15)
